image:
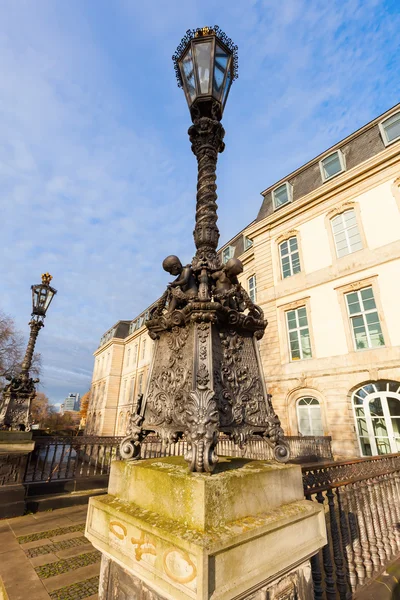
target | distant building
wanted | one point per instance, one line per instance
(322, 259)
(71, 403)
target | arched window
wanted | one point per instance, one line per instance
(309, 416)
(377, 414)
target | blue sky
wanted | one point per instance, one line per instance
(97, 177)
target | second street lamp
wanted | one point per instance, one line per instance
(19, 393)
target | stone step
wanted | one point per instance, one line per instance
(54, 501)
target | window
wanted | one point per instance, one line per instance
(247, 243)
(128, 356)
(140, 383)
(143, 348)
(332, 165)
(227, 253)
(377, 413)
(290, 260)
(108, 361)
(135, 353)
(309, 417)
(346, 234)
(252, 288)
(367, 331)
(299, 334)
(390, 129)
(131, 389)
(282, 195)
(124, 392)
(132, 327)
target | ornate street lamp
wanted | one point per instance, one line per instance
(19, 393)
(206, 376)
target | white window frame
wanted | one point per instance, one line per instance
(252, 289)
(143, 348)
(231, 253)
(363, 314)
(383, 130)
(140, 384)
(308, 408)
(289, 192)
(298, 328)
(247, 242)
(341, 161)
(128, 357)
(346, 233)
(290, 255)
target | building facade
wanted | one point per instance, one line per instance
(322, 259)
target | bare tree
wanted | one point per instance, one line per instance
(12, 348)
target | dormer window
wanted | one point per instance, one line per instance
(390, 129)
(332, 165)
(282, 195)
(227, 253)
(247, 243)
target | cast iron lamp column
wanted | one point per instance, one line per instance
(20, 392)
(205, 66)
(206, 375)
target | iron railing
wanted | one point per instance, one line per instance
(63, 458)
(362, 508)
(302, 448)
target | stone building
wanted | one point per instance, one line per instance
(322, 259)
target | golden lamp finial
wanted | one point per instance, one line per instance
(46, 278)
(204, 31)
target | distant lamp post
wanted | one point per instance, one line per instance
(19, 393)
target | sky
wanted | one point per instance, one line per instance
(97, 178)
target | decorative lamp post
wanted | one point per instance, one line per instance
(20, 392)
(206, 376)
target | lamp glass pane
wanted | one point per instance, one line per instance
(202, 51)
(187, 73)
(220, 64)
(227, 86)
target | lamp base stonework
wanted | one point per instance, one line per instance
(166, 534)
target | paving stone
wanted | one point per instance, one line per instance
(68, 579)
(55, 547)
(21, 529)
(19, 577)
(66, 536)
(74, 551)
(38, 535)
(34, 544)
(84, 589)
(8, 541)
(63, 566)
(44, 559)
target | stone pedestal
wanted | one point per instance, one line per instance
(243, 532)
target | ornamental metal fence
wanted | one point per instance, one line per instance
(362, 508)
(65, 458)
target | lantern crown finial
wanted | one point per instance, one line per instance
(46, 278)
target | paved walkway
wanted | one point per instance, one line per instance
(46, 556)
